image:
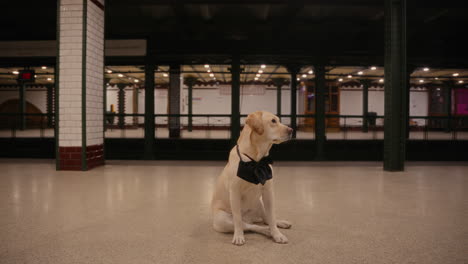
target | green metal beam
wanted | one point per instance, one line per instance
(22, 105)
(235, 98)
(320, 137)
(396, 85)
(294, 70)
(365, 104)
(174, 100)
(190, 82)
(279, 82)
(149, 111)
(121, 104)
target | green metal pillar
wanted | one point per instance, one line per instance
(294, 70)
(235, 98)
(121, 104)
(174, 101)
(50, 105)
(396, 86)
(448, 95)
(365, 104)
(320, 111)
(279, 82)
(409, 70)
(190, 82)
(22, 105)
(149, 111)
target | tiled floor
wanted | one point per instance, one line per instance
(159, 212)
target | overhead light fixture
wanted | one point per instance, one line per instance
(421, 81)
(208, 70)
(137, 80)
(211, 75)
(438, 89)
(340, 79)
(256, 78)
(15, 72)
(426, 69)
(456, 74)
(44, 67)
(298, 79)
(207, 66)
(311, 72)
(165, 74)
(304, 75)
(260, 71)
(350, 76)
(437, 78)
(381, 80)
(461, 81)
(263, 66)
(360, 73)
(35, 75)
(373, 68)
(49, 79)
(109, 71)
(257, 75)
(120, 75)
(129, 78)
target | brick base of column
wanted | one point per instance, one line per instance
(71, 159)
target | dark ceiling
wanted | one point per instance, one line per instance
(316, 28)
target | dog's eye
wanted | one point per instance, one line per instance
(273, 121)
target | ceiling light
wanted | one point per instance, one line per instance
(207, 66)
(211, 75)
(311, 72)
(256, 78)
(298, 79)
(260, 71)
(263, 66)
(421, 81)
(455, 74)
(35, 75)
(461, 81)
(437, 78)
(208, 70)
(350, 76)
(426, 69)
(438, 89)
(120, 75)
(340, 79)
(49, 79)
(381, 80)
(304, 75)
(258, 75)
(109, 71)
(44, 67)
(373, 68)
(165, 74)
(136, 80)
(360, 73)
(15, 72)
(129, 78)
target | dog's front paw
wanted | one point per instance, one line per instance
(283, 224)
(238, 239)
(280, 238)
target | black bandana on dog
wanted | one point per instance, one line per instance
(254, 172)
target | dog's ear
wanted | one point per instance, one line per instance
(254, 120)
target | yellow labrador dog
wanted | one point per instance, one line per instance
(243, 195)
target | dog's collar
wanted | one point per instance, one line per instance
(253, 171)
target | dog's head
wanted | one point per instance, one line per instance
(268, 126)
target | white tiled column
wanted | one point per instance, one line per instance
(81, 79)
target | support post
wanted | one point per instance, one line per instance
(50, 104)
(235, 98)
(22, 105)
(174, 101)
(190, 82)
(365, 104)
(121, 104)
(320, 111)
(279, 82)
(448, 90)
(396, 85)
(149, 111)
(294, 70)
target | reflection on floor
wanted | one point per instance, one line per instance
(225, 134)
(159, 212)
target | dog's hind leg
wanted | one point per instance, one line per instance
(222, 222)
